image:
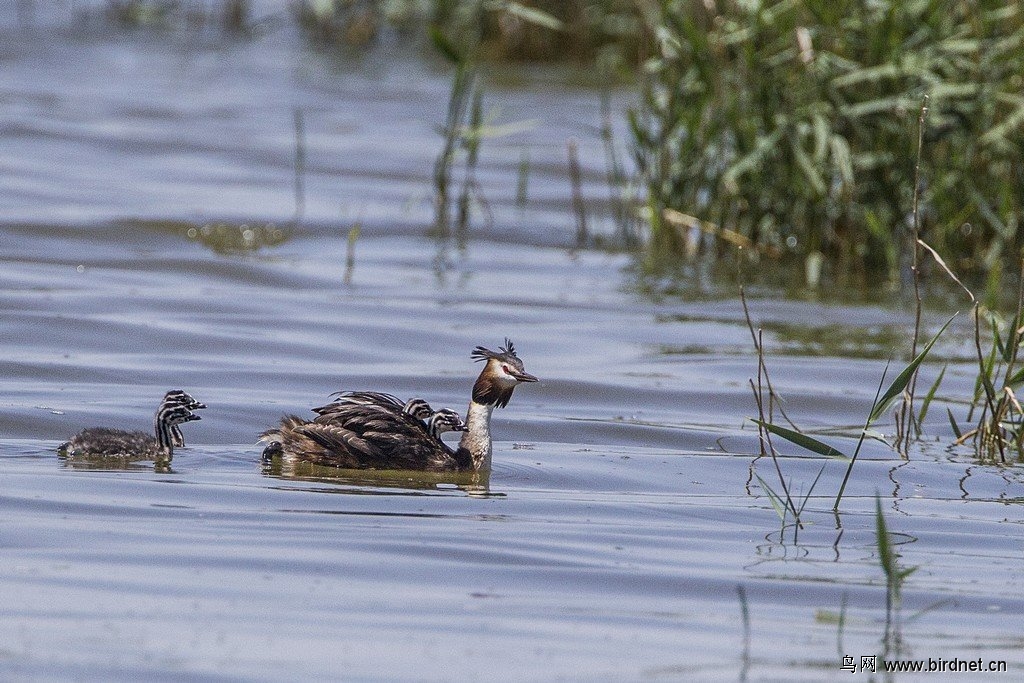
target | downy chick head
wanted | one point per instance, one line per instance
(445, 420)
(176, 415)
(419, 409)
(177, 397)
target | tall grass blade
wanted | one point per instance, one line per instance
(445, 46)
(949, 272)
(953, 424)
(802, 440)
(929, 396)
(999, 340)
(903, 379)
(860, 442)
(350, 253)
(811, 490)
(523, 177)
(533, 15)
(579, 208)
(1012, 339)
(773, 498)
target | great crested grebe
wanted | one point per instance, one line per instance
(102, 442)
(374, 431)
(359, 436)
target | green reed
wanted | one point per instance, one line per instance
(995, 409)
(350, 252)
(900, 388)
(523, 178)
(460, 133)
(611, 34)
(340, 22)
(299, 124)
(578, 205)
(621, 195)
(785, 124)
(466, 126)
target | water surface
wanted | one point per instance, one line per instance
(624, 509)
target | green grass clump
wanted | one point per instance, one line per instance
(786, 127)
(232, 15)
(996, 410)
(611, 33)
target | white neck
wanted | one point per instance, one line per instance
(477, 437)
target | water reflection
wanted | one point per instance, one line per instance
(101, 463)
(821, 543)
(475, 484)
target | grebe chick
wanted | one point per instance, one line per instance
(444, 420)
(416, 407)
(102, 442)
(180, 398)
(367, 434)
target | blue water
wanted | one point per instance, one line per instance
(624, 516)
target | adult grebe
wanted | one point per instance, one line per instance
(368, 432)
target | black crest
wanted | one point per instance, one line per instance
(508, 350)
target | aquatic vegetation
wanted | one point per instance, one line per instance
(999, 424)
(229, 14)
(621, 186)
(767, 427)
(460, 133)
(299, 123)
(350, 252)
(463, 132)
(139, 12)
(578, 205)
(608, 33)
(784, 126)
(230, 238)
(994, 408)
(348, 22)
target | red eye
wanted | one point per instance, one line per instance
(507, 369)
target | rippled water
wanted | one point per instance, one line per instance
(623, 516)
